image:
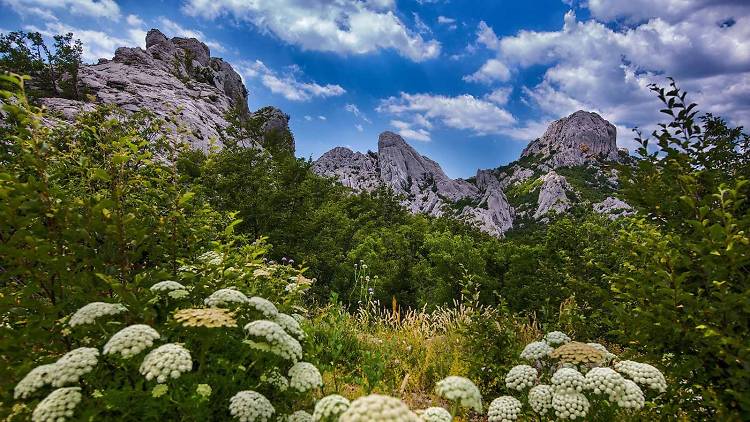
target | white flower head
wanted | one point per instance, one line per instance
(290, 325)
(329, 408)
(540, 398)
(34, 380)
(178, 294)
(643, 374)
(605, 381)
(520, 377)
(59, 406)
(211, 258)
(435, 414)
(131, 341)
(556, 337)
(89, 313)
(461, 390)
(275, 379)
(570, 405)
(264, 306)
(377, 408)
(251, 406)
(304, 376)
(73, 365)
(504, 409)
(223, 297)
(166, 286)
(275, 339)
(632, 396)
(536, 350)
(568, 380)
(299, 416)
(167, 361)
(608, 356)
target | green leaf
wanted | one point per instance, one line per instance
(187, 197)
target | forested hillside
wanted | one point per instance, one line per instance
(142, 278)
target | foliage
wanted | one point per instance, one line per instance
(683, 290)
(582, 380)
(54, 71)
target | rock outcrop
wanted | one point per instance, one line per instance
(581, 138)
(525, 191)
(422, 184)
(176, 79)
(552, 195)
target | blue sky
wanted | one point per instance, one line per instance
(467, 82)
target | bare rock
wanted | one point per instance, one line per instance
(613, 208)
(581, 138)
(552, 195)
(177, 79)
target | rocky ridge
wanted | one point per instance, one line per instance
(570, 165)
(177, 79)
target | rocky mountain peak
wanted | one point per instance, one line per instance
(175, 78)
(578, 139)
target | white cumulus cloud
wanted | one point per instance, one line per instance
(341, 26)
(287, 85)
(459, 112)
(108, 9)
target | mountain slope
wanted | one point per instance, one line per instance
(570, 165)
(176, 79)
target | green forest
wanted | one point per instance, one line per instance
(142, 280)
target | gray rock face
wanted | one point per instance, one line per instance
(552, 195)
(353, 169)
(176, 79)
(613, 208)
(578, 139)
(420, 181)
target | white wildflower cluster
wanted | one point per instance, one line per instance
(605, 381)
(211, 258)
(329, 408)
(276, 340)
(251, 406)
(536, 350)
(520, 377)
(34, 380)
(304, 376)
(299, 416)
(275, 379)
(632, 397)
(59, 406)
(556, 337)
(166, 286)
(504, 409)
(608, 356)
(89, 313)
(435, 414)
(264, 306)
(131, 341)
(461, 390)
(290, 325)
(178, 294)
(568, 380)
(167, 361)
(224, 297)
(643, 374)
(570, 405)
(73, 365)
(377, 408)
(540, 398)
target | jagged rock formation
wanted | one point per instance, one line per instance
(176, 79)
(613, 208)
(576, 140)
(570, 165)
(420, 181)
(552, 194)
